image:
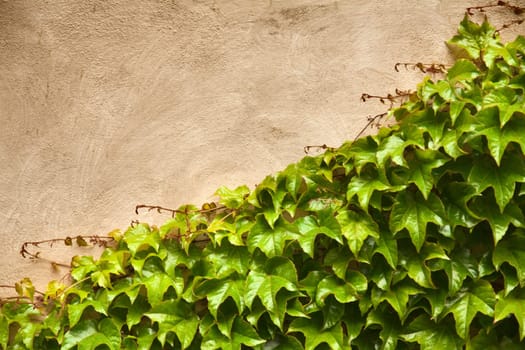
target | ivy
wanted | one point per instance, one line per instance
(412, 238)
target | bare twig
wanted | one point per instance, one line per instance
(318, 147)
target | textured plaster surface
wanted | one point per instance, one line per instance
(109, 104)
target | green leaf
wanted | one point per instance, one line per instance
(479, 297)
(271, 241)
(387, 247)
(363, 152)
(485, 207)
(241, 334)
(88, 334)
(432, 336)
(309, 228)
(356, 228)
(177, 317)
(485, 173)
(280, 274)
(390, 328)
(217, 291)
(487, 123)
(232, 199)
(412, 212)
(338, 259)
(505, 100)
(461, 265)
(455, 196)
(398, 297)
(512, 252)
(463, 70)
(392, 149)
(75, 311)
(141, 237)
(227, 259)
(477, 40)
(420, 166)
(416, 264)
(365, 186)
(343, 291)
(512, 304)
(156, 286)
(315, 335)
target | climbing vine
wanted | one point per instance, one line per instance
(412, 238)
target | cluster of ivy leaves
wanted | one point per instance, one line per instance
(413, 238)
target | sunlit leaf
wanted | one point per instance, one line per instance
(232, 198)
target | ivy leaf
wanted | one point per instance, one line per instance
(412, 212)
(227, 259)
(387, 247)
(485, 173)
(487, 123)
(478, 297)
(455, 196)
(390, 328)
(137, 310)
(392, 149)
(431, 336)
(356, 228)
(462, 71)
(338, 259)
(460, 266)
(88, 334)
(217, 291)
(476, 39)
(420, 166)
(279, 274)
(141, 237)
(484, 207)
(363, 152)
(416, 263)
(232, 199)
(364, 187)
(512, 304)
(343, 291)
(310, 228)
(315, 335)
(512, 252)
(75, 311)
(271, 241)
(241, 334)
(504, 99)
(174, 316)
(398, 297)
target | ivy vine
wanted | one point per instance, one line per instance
(413, 238)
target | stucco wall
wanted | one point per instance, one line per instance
(109, 104)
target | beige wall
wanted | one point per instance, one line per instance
(109, 104)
